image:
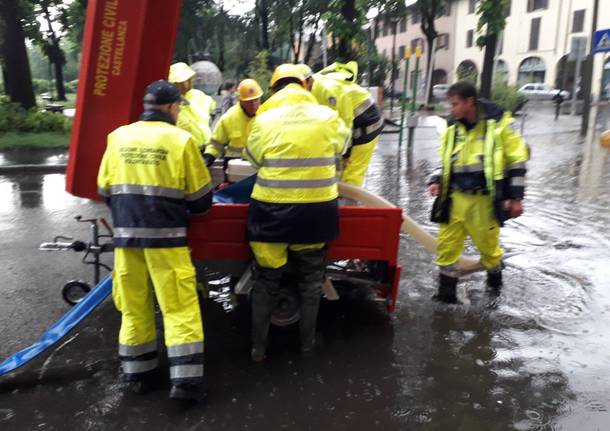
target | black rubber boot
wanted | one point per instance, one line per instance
(311, 267)
(187, 392)
(264, 300)
(446, 290)
(494, 279)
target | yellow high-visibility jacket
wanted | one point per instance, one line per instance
(488, 159)
(202, 104)
(230, 133)
(295, 143)
(153, 177)
(190, 121)
(336, 87)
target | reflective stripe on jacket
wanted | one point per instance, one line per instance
(153, 176)
(294, 144)
(230, 133)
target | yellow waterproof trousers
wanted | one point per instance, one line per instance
(470, 215)
(173, 279)
(274, 255)
(355, 172)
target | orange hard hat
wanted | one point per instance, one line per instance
(249, 89)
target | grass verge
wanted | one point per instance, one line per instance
(18, 141)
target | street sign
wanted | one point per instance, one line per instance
(578, 49)
(601, 43)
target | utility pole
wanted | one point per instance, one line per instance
(588, 78)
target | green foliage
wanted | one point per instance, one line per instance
(42, 85)
(506, 96)
(380, 67)
(14, 140)
(71, 86)
(14, 118)
(259, 71)
(492, 19)
(466, 74)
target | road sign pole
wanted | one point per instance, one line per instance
(403, 101)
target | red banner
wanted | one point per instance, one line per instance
(127, 45)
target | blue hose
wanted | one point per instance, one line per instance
(59, 330)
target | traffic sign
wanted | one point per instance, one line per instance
(578, 50)
(601, 43)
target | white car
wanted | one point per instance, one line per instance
(542, 92)
(439, 91)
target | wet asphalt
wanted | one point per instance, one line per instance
(536, 357)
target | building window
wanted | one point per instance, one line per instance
(469, 38)
(472, 5)
(403, 25)
(578, 22)
(533, 5)
(442, 41)
(401, 51)
(417, 42)
(534, 34)
(415, 16)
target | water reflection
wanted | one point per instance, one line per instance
(36, 156)
(34, 191)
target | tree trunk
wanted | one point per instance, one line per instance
(59, 81)
(488, 65)
(221, 40)
(56, 57)
(262, 9)
(348, 10)
(311, 43)
(18, 78)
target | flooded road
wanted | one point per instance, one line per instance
(534, 358)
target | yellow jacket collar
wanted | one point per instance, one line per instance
(292, 94)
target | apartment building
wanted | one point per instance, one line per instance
(534, 46)
(409, 34)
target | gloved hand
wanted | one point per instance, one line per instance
(209, 159)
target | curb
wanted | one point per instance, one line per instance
(28, 169)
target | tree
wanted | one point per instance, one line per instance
(345, 19)
(15, 65)
(429, 10)
(54, 14)
(492, 20)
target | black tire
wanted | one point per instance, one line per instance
(74, 291)
(288, 310)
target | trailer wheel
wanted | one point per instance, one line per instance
(74, 291)
(288, 309)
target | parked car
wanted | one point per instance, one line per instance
(439, 91)
(542, 92)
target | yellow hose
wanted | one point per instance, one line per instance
(409, 226)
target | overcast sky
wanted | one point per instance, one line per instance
(238, 7)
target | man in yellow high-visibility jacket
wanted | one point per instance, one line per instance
(197, 108)
(336, 87)
(153, 177)
(294, 143)
(232, 129)
(479, 185)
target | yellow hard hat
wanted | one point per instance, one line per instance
(286, 70)
(249, 89)
(305, 70)
(180, 72)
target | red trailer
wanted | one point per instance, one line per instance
(129, 44)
